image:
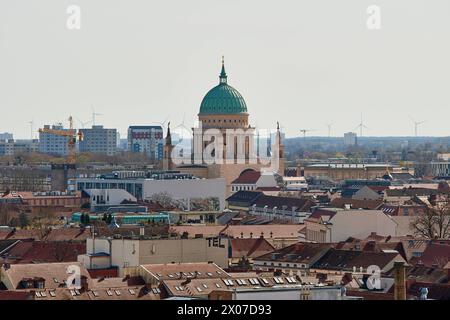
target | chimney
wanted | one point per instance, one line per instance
(84, 283)
(399, 281)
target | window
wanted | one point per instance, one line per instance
(109, 293)
(218, 285)
(199, 289)
(228, 282)
(265, 281)
(52, 293)
(95, 293)
(117, 292)
(205, 286)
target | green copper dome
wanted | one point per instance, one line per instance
(223, 99)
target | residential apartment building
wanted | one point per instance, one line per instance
(350, 139)
(338, 225)
(6, 147)
(440, 168)
(339, 172)
(53, 144)
(99, 140)
(128, 253)
(6, 136)
(12, 147)
(148, 140)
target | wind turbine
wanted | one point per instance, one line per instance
(82, 124)
(183, 129)
(361, 125)
(329, 125)
(31, 123)
(162, 124)
(94, 114)
(416, 125)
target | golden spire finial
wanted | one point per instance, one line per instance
(223, 60)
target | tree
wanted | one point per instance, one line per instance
(163, 198)
(5, 214)
(105, 217)
(435, 222)
(109, 218)
(23, 220)
(88, 219)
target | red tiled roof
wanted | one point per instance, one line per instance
(30, 251)
(248, 177)
(66, 234)
(249, 247)
(297, 253)
(435, 254)
(356, 203)
(15, 295)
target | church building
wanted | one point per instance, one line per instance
(223, 109)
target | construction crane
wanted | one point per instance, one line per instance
(72, 136)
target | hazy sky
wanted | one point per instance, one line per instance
(303, 63)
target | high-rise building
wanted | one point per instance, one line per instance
(53, 144)
(11, 147)
(99, 140)
(146, 139)
(6, 147)
(26, 146)
(6, 136)
(350, 139)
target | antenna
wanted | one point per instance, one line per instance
(416, 125)
(361, 126)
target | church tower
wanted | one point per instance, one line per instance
(168, 147)
(280, 154)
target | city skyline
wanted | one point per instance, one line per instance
(314, 66)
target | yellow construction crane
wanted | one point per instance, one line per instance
(72, 136)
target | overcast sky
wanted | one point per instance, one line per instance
(303, 63)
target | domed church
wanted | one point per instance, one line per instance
(223, 108)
